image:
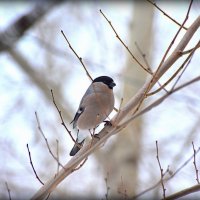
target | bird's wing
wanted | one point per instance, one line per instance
(88, 92)
(77, 115)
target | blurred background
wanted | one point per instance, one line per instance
(35, 58)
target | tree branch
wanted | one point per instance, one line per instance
(46, 141)
(108, 131)
(185, 192)
(31, 162)
(195, 164)
(127, 48)
(164, 13)
(168, 178)
(8, 189)
(177, 71)
(161, 171)
(79, 58)
(16, 30)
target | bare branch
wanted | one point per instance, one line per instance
(143, 56)
(8, 189)
(172, 42)
(146, 62)
(62, 121)
(46, 141)
(177, 71)
(164, 13)
(167, 179)
(161, 171)
(57, 153)
(195, 165)
(108, 131)
(80, 59)
(179, 77)
(189, 50)
(162, 68)
(158, 101)
(185, 192)
(134, 58)
(29, 154)
(17, 28)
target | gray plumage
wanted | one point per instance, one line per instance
(95, 106)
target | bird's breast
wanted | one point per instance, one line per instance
(97, 107)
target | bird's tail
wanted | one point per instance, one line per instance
(76, 147)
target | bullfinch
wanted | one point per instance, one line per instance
(95, 106)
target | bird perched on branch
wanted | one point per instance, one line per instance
(95, 106)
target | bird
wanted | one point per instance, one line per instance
(95, 106)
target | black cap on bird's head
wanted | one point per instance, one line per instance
(106, 80)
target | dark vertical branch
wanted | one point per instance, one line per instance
(8, 189)
(195, 165)
(79, 58)
(161, 171)
(31, 162)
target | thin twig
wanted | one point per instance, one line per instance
(62, 121)
(173, 40)
(57, 153)
(8, 189)
(146, 62)
(195, 165)
(154, 77)
(153, 3)
(46, 141)
(116, 34)
(80, 59)
(184, 164)
(158, 101)
(183, 71)
(189, 50)
(176, 35)
(161, 170)
(143, 56)
(29, 154)
(168, 178)
(177, 71)
(147, 190)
